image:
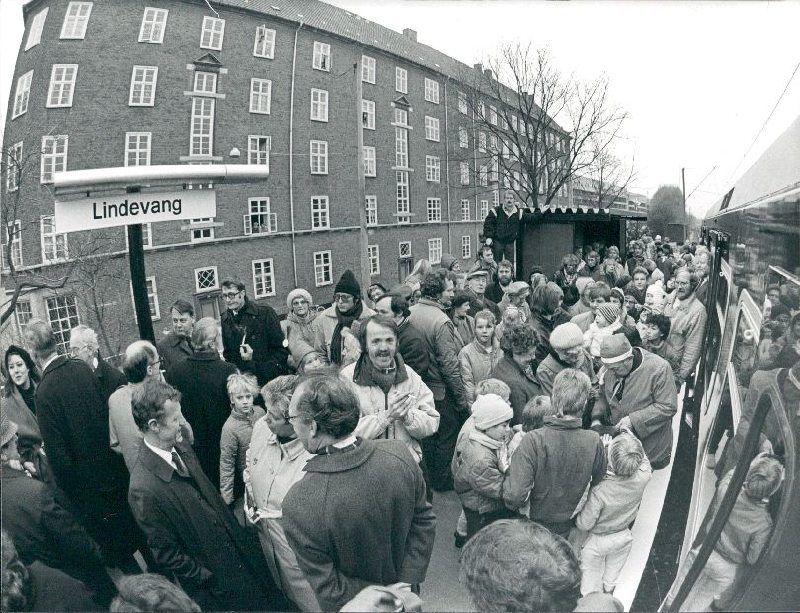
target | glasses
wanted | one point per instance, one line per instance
(230, 295)
(343, 298)
(76, 350)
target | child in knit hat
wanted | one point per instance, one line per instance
(480, 463)
(606, 322)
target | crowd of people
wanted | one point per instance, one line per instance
(260, 463)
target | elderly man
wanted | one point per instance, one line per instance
(566, 351)
(360, 515)
(410, 343)
(252, 338)
(503, 224)
(477, 280)
(395, 402)
(638, 393)
(84, 346)
(554, 464)
(275, 462)
(176, 347)
(73, 417)
(688, 318)
(193, 536)
(202, 380)
(505, 275)
(443, 376)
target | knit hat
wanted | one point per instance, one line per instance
(348, 285)
(516, 287)
(489, 410)
(478, 272)
(582, 282)
(609, 311)
(566, 336)
(298, 292)
(615, 348)
(447, 261)
(7, 429)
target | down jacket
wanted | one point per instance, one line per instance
(477, 476)
(234, 443)
(476, 365)
(421, 421)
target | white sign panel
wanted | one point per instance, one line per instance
(129, 209)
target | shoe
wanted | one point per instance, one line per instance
(711, 460)
(460, 539)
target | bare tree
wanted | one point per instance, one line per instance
(538, 129)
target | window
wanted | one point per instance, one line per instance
(206, 279)
(484, 208)
(462, 103)
(264, 45)
(54, 246)
(203, 233)
(319, 213)
(481, 110)
(24, 314)
(482, 142)
(403, 208)
(154, 21)
(37, 27)
(54, 156)
(147, 236)
(152, 298)
(434, 209)
(205, 82)
(213, 31)
(258, 149)
(137, 148)
(433, 168)
(259, 219)
(483, 176)
(368, 69)
(404, 250)
(13, 235)
(263, 278)
(13, 167)
(62, 312)
(371, 205)
(432, 128)
(202, 135)
(368, 114)
(431, 91)
(464, 171)
(434, 250)
(319, 157)
(143, 86)
(260, 96)
(323, 275)
(466, 247)
(76, 20)
(401, 117)
(374, 255)
(496, 198)
(319, 105)
(22, 94)
(464, 209)
(401, 147)
(401, 80)
(369, 162)
(322, 56)
(492, 115)
(463, 137)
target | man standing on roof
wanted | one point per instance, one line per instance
(502, 226)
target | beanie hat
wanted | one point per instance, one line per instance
(615, 348)
(7, 429)
(582, 282)
(447, 261)
(566, 336)
(489, 410)
(297, 293)
(348, 285)
(609, 311)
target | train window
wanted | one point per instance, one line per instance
(779, 345)
(723, 290)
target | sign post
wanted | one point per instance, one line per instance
(141, 303)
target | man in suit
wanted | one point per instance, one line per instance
(192, 535)
(73, 418)
(83, 345)
(176, 347)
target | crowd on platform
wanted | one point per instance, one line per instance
(259, 463)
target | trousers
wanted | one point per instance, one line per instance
(438, 448)
(602, 559)
(716, 577)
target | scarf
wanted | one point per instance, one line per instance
(302, 321)
(366, 373)
(344, 320)
(501, 447)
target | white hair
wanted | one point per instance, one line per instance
(83, 333)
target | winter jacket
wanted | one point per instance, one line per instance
(553, 465)
(584, 320)
(29, 443)
(443, 376)
(479, 303)
(593, 337)
(173, 350)
(577, 309)
(495, 293)
(552, 365)
(109, 378)
(412, 347)
(324, 326)
(503, 228)
(477, 475)
(523, 383)
(234, 442)
(571, 295)
(476, 365)
(299, 336)
(421, 421)
(465, 326)
(688, 319)
(667, 351)
(649, 397)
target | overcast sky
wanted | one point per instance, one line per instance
(697, 79)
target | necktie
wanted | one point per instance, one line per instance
(180, 467)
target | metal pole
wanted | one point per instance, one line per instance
(363, 235)
(683, 193)
(141, 303)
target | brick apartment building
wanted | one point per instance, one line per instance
(129, 82)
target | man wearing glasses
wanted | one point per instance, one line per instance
(252, 338)
(688, 318)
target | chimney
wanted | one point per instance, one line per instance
(409, 33)
(478, 67)
(487, 72)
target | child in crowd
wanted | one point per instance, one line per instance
(606, 322)
(656, 331)
(610, 509)
(655, 297)
(481, 355)
(480, 463)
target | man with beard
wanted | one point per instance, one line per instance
(591, 267)
(410, 343)
(335, 329)
(505, 276)
(688, 319)
(177, 346)
(476, 290)
(297, 327)
(502, 226)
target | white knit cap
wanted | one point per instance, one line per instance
(489, 410)
(298, 292)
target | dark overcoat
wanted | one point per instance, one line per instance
(109, 377)
(173, 350)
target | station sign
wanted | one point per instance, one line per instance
(105, 211)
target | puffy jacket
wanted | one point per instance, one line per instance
(325, 324)
(233, 445)
(421, 421)
(687, 331)
(476, 365)
(477, 477)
